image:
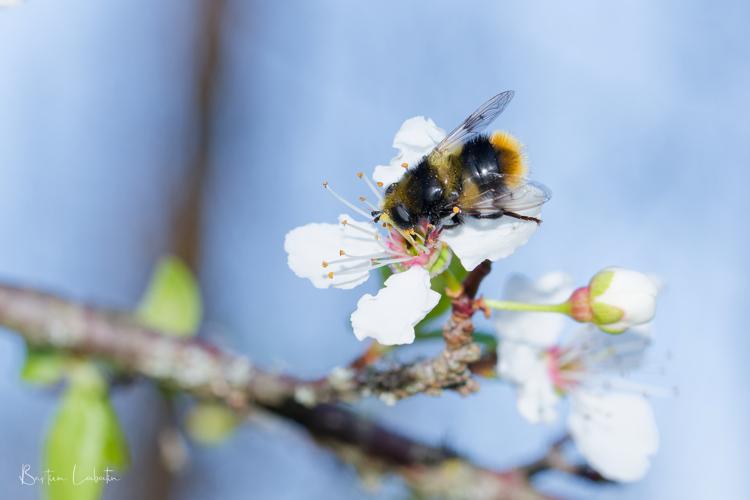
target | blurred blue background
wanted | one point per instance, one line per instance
(634, 113)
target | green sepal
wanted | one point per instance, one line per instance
(611, 331)
(85, 438)
(172, 302)
(605, 314)
(439, 283)
(600, 283)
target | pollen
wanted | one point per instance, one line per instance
(456, 210)
(405, 165)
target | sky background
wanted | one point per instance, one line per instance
(635, 114)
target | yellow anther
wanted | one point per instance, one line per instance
(405, 165)
(330, 275)
(325, 263)
(456, 210)
(360, 174)
(380, 184)
(344, 222)
(342, 253)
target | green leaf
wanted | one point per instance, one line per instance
(210, 423)
(85, 439)
(173, 302)
(43, 366)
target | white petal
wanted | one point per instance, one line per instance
(416, 137)
(632, 292)
(478, 239)
(390, 316)
(308, 246)
(526, 366)
(616, 433)
(537, 328)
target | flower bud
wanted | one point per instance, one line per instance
(615, 300)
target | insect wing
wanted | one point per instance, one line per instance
(525, 196)
(475, 123)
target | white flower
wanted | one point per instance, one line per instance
(342, 255)
(616, 299)
(610, 420)
(390, 316)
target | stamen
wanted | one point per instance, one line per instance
(344, 201)
(625, 385)
(325, 263)
(370, 185)
(387, 223)
(379, 184)
(374, 234)
(355, 258)
(456, 210)
(405, 165)
(372, 266)
(373, 207)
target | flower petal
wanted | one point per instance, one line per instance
(310, 245)
(390, 316)
(527, 367)
(616, 433)
(416, 137)
(478, 239)
(537, 328)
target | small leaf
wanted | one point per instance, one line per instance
(43, 366)
(173, 302)
(210, 423)
(85, 439)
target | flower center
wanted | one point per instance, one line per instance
(400, 249)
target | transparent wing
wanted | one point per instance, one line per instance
(525, 196)
(475, 123)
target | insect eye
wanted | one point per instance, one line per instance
(401, 216)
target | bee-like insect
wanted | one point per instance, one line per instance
(468, 174)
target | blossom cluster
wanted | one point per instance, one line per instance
(610, 418)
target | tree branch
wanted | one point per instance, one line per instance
(204, 371)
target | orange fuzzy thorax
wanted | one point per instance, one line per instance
(509, 151)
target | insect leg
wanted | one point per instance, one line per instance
(522, 217)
